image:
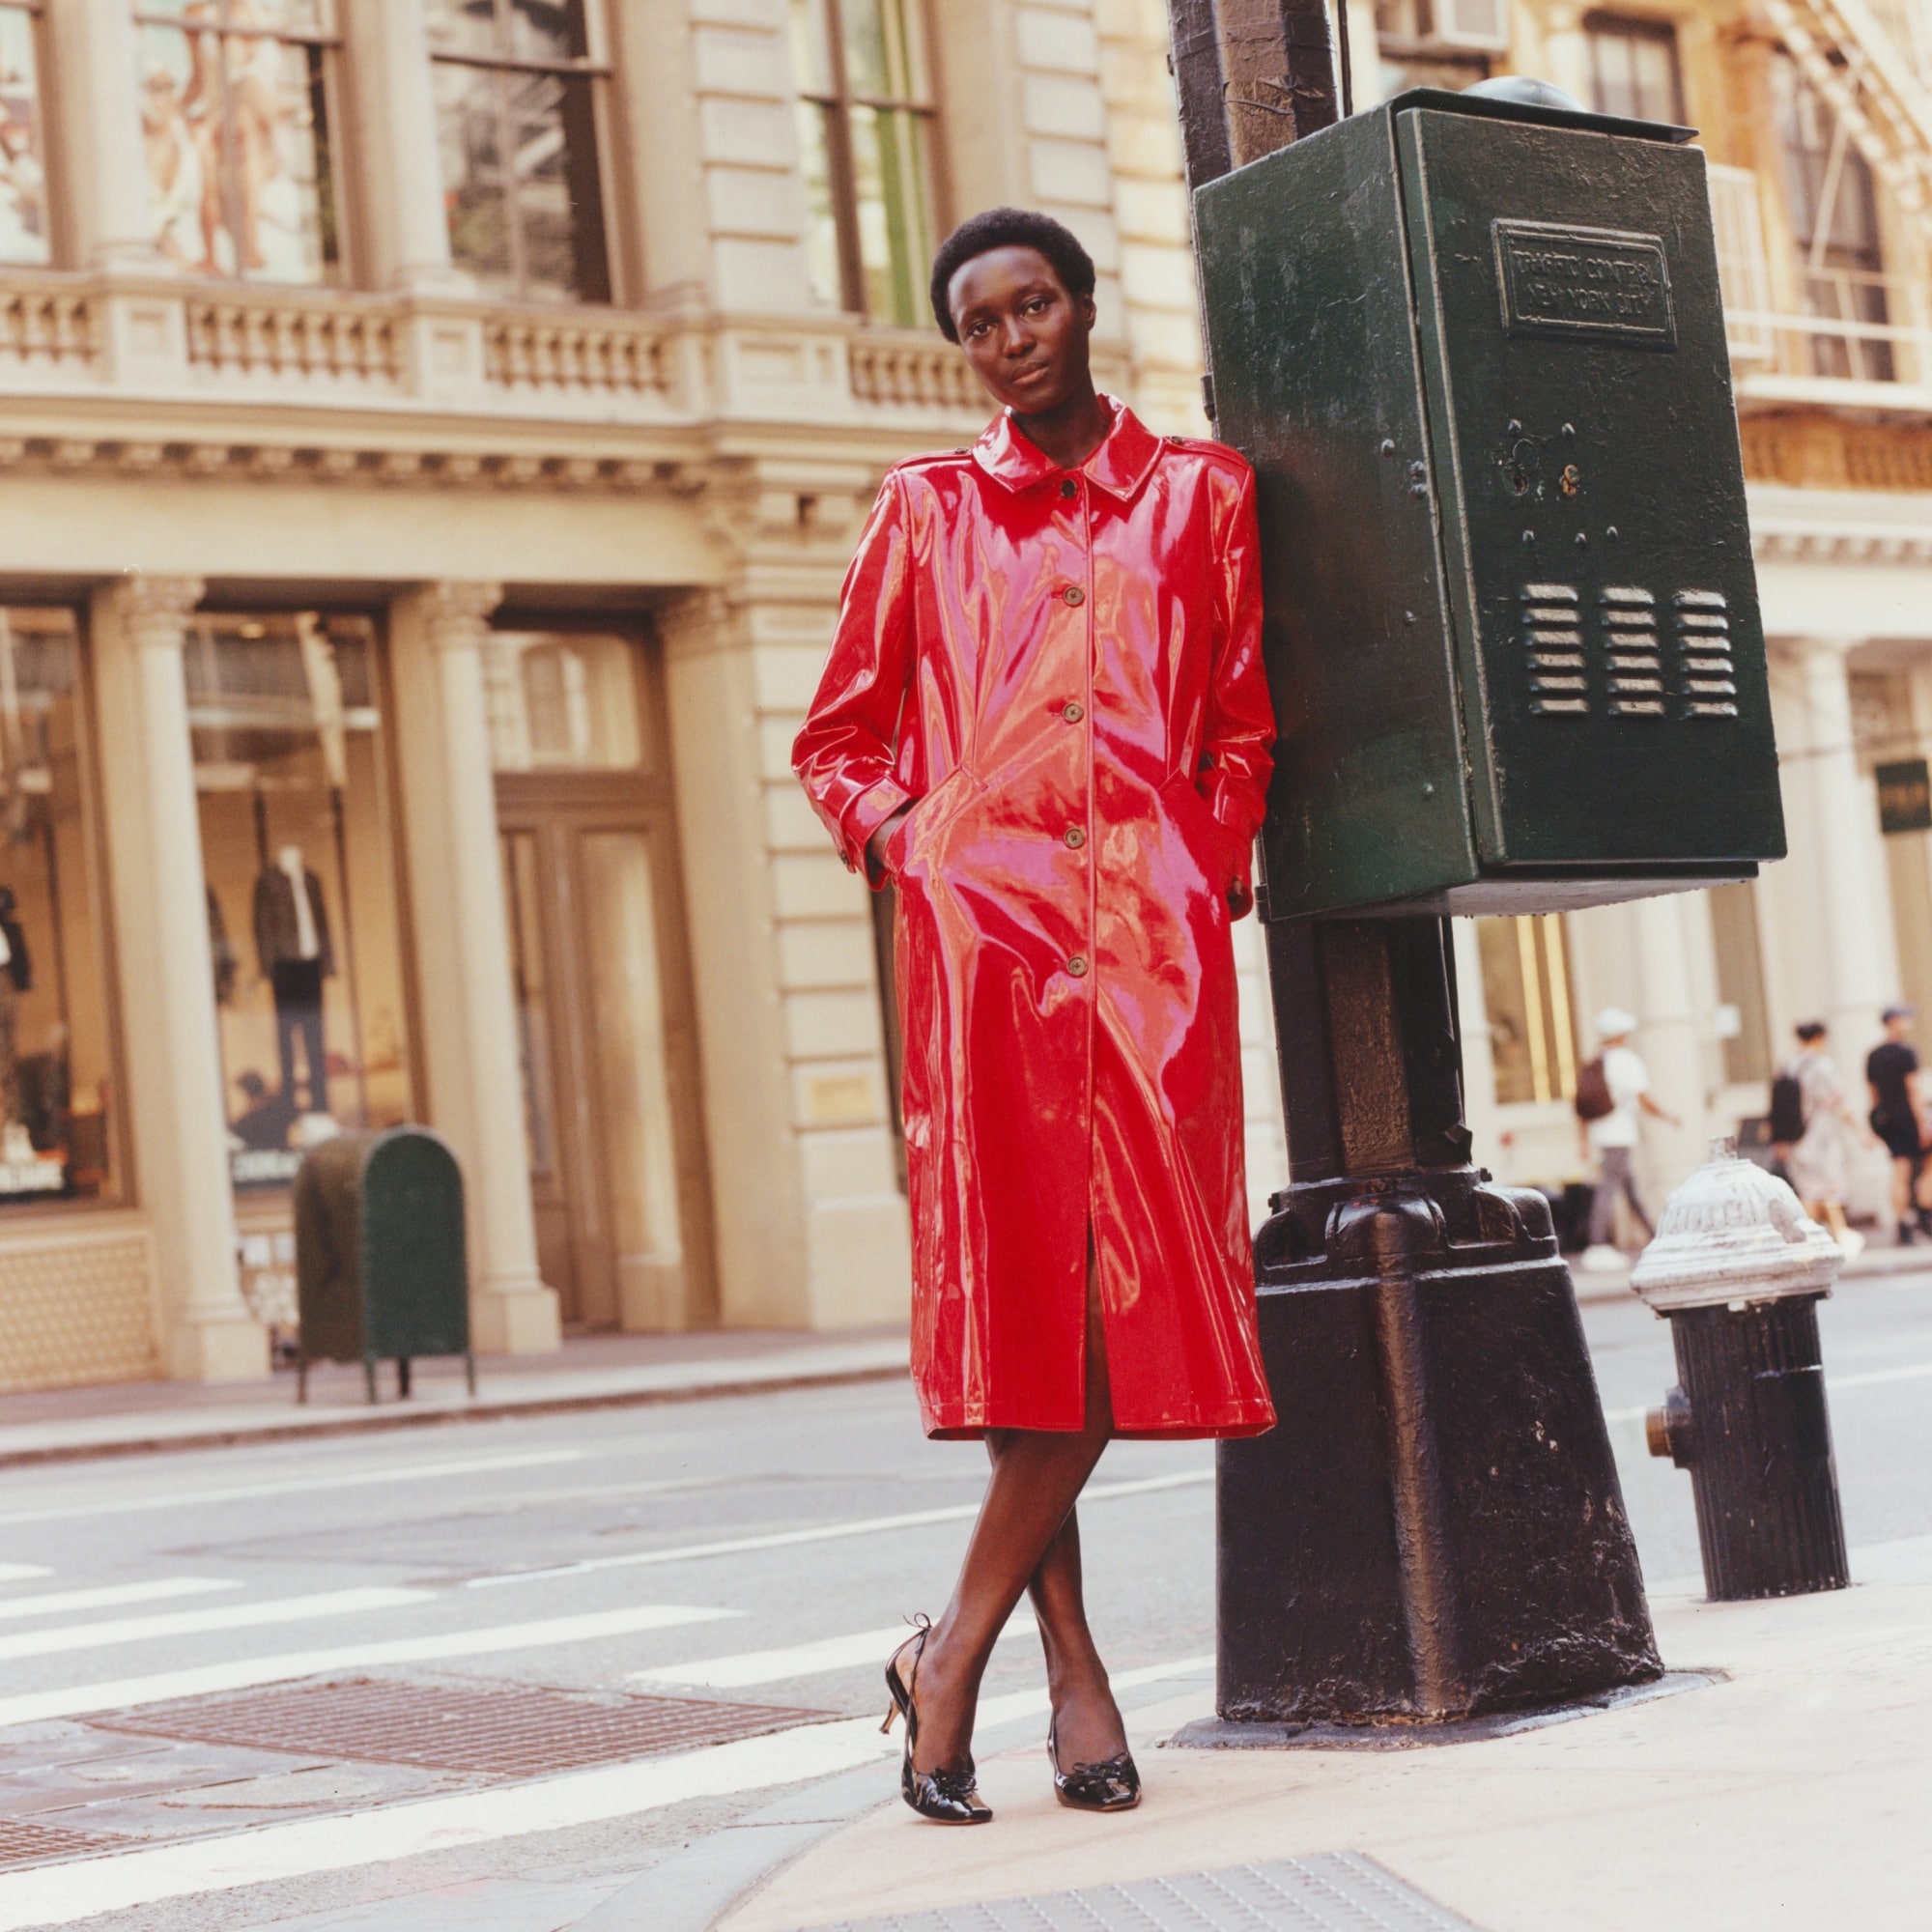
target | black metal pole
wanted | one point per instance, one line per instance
(1434, 1529)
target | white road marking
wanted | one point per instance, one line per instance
(35, 1707)
(1912, 1372)
(109, 1596)
(19, 1573)
(173, 1498)
(825, 1532)
(804, 1660)
(197, 1623)
(61, 1894)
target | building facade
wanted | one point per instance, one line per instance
(432, 432)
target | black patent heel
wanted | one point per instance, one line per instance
(1113, 1784)
(944, 1797)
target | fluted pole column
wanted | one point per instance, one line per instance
(472, 1074)
(177, 1123)
(103, 169)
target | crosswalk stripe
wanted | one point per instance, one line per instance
(197, 1623)
(348, 1479)
(35, 1707)
(61, 1894)
(824, 1532)
(111, 1596)
(804, 1660)
(19, 1573)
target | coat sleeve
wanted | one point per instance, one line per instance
(1238, 743)
(843, 754)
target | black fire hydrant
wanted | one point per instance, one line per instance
(1739, 1269)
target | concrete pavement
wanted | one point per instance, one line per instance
(1788, 1786)
(589, 1371)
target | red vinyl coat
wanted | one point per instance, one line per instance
(1063, 668)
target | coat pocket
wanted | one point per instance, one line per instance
(914, 833)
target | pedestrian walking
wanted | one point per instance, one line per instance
(1897, 1117)
(1045, 721)
(1821, 1155)
(1610, 1091)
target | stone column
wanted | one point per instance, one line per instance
(103, 172)
(175, 1113)
(1835, 845)
(1565, 51)
(1672, 1037)
(402, 208)
(472, 1077)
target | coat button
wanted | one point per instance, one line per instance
(1068, 487)
(1074, 594)
(1077, 965)
(1073, 713)
(1074, 836)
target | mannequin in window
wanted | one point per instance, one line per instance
(292, 942)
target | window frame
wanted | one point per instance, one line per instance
(331, 179)
(594, 68)
(836, 108)
(1608, 25)
(52, 205)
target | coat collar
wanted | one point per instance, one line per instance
(1121, 464)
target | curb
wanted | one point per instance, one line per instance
(400, 1417)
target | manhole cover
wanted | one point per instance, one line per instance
(517, 1731)
(1333, 1891)
(25, 1844)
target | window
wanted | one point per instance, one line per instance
(1633, 69)
(865, 137)
(1423, 43)
(1526, 991)
(234, 130)
(57, 1094)
(293, 782)
(1833, 215)
(515, 122)
(23, 156)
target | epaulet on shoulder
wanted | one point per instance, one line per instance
(932, 459)
(1209, 451)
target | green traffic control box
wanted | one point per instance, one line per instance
(382, 1271)
(1475, 351)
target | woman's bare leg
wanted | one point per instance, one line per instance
(1087, 1722)
(1036, 1476)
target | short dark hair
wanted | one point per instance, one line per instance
(1810, 1030)
(1008, 228)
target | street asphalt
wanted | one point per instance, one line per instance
(746, 1551)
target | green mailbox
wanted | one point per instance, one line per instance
(1475, 351)
(382, 1271)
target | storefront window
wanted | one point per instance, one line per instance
(235, 126)
(1526, 992)
(23, 156)
(515, 122)
(57, 1095)
(296, 839)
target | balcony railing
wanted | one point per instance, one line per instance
(1828, 334)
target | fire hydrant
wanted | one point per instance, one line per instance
(1738, 1268)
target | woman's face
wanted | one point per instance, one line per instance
(1023, 331)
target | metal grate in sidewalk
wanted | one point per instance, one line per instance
(22, 1843)
(1333, 1891)
(509, 1731)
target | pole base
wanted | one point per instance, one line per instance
(1434, 1530)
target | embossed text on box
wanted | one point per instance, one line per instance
(1584, 284)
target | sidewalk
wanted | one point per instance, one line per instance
(1613, 1284)
(1788, 1789)
(589, 1371)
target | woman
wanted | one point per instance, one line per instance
(1818, 1159)
(1044, 719)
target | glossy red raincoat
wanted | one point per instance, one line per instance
(1063, 668)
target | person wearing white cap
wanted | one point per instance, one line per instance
(1610, 1091)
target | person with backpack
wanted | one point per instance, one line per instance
(1610, 1091)
(1821, 1155)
